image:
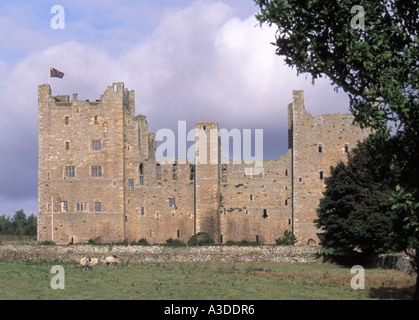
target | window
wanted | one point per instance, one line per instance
(96, 171)
(204, 127)
(81, 206)
(98, 206)
(346, 148)
(319, 121)
(286, 202)
(286, 172)
(130, 184)
(320, 148)
(67, 120)
(67, 145)
(95, 120)
(321, 175)
(351, 121)
(141, 171)
(172, 203)
(142, 211)
(96, 146)
(224, 173)
(64, 206)
(149, 233)
(265, 213)
(178, 234)
(192, 172)
(158, 171)
(251, 197)
(175, 171)
(70, 172)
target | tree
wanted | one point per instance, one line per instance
(19, 224)
(19, 220)
(375, 61)
(355, 212)
(6, 225)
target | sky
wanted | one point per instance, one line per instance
(186, 60)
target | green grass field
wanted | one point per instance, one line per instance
(200, 281)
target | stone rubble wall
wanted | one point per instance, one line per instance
(142, 254)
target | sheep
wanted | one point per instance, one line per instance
(87, 262)
(109, 260)
(94, 261)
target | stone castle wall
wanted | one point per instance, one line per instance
(135, 196)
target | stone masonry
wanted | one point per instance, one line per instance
(98, 177)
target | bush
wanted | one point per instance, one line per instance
(242, 243)
(46, 243)
(200, 239)
(288, 239)
(140, 242)
(175, 243)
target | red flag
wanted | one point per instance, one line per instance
(55, 73)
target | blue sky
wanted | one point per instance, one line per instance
(186, 60)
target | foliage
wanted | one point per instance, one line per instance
(46, 243)
(19, 224)
(175, 243)
(242, 243)
(355, 212)
(289, 239)
(140, 242)
(376, 63)
(200, 239)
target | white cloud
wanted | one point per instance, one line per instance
(201, 63)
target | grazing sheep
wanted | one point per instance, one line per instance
(94, 261)
(110, 260)
(86, 263)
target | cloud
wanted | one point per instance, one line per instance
(201, 63)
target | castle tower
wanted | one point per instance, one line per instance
(317, 143)
(207, 183)
(81, 166)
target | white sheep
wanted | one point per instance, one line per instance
(94, 261)
(109, 260)
(87, 262)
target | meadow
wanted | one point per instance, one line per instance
(199, 281)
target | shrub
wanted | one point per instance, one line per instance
(200, 239)
(175, 243)
(140, 242)
(242, 243)
(288, 239)
(46, 243)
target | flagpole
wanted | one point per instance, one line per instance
(49, 75)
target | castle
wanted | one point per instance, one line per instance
(98, 177)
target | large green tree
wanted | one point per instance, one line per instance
(356, 210)
(370, 49)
